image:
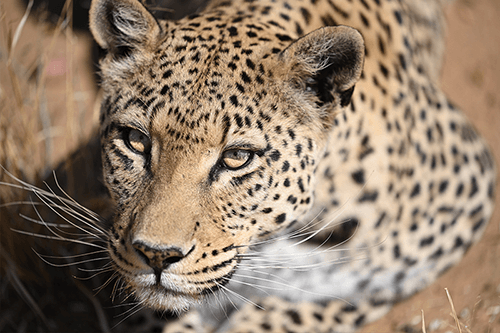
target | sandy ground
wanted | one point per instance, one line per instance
(471, 78)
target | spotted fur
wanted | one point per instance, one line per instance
(267, 145)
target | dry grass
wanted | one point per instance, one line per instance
(44, 96)
(20, 93)
(41, 103)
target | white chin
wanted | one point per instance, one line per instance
(159, 298)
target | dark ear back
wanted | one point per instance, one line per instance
(327, 63)
(122, 26)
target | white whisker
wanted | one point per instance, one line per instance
(100, 271)
(285, 285)
(72, 215)
(70, 263)
(74, 255)
(260, 288)
(59, 238)
(241, 297)
(140, 307)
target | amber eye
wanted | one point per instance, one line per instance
(236, 158)
(138, 141)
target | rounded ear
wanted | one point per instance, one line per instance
(327, 62)
(121, 26)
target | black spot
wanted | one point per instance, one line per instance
(305, 14)
(349, 308)
(380, 219)
(458, 243)
(473, 187)
(384, 70)
(284, 38)
(363, 284)
(402, 61)
(410, 262)
(369, 196)
(266, 326)
(167, 74)
(232, 31)
(399, 18)
(245, 77)
(415, 191)
(328, 21)
(298, 149)
(275, 155)
(491, 190)
(360, 320)
(234, 100)
(301, 185)
(476, 210)
(437, 254)
(365, 21)
(285, 166)
(443, 186)
(396, 251)
(398, 278)
(426, 241)
(285, 17)
(381, 45)
(164, 90)
(239, 120)
(292, 199)
(318, 316)
(478, 225)
(250, 64)
(294, 316)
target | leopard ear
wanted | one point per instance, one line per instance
(326, 64)
(123, 26)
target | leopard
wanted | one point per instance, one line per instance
(284, 166)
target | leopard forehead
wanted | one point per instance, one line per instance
(189, 98)
(208, 83)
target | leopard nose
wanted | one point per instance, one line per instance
(158, 258)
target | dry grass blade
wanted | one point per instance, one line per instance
(423, 322)
(19, 29)
(453, 312)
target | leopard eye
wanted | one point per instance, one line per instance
(235, 159)
(137, 141)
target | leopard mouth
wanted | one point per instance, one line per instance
(175, 292)
(161, 298)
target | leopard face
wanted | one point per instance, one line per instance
(211, 128)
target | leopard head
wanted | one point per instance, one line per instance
(211, 130)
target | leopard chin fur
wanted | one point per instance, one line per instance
(292, 156)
